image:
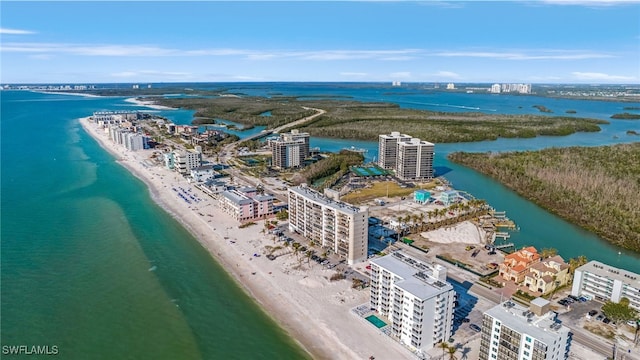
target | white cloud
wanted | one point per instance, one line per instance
(146, 74)
(15, 31)
(600, 76)
(355, 74)
(590, 3)
(446, 74)
(400, 74)
(533, 55)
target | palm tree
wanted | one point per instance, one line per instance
(444, 346)
(452, 352)
(309, 254)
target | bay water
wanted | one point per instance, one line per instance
(91, 264)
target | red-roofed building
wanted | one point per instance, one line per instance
(516, 265)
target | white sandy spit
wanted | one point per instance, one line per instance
(148, 103)
(315, 311)
(465, 232)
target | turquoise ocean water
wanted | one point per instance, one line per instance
(92, 265)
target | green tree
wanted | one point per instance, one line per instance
(619, 311)
(282, 215)
(576, 262)
(444, 346)
(451, 350)
(548, 252)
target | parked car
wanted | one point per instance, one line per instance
(593, 312)
(475, 327)
(606, 320)
(600, 317)
(574, 298)
(633, 323)
(583, 299)
(466, 320)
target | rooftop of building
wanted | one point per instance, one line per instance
(237, 197)
(395, 135)
(203, 168)
(418, 278)
(320, 198)
(544, 328)
(414, 142)
(604, 270)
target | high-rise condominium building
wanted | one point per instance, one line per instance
(415, 297)
(289, 150)
(335, 225)
(415, 160)
(513, 332)
(388, 149)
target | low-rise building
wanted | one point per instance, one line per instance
(246, 205)
(414, 297)
(203, 173)
(516, 265)
(606, 283)
(547, 275)
(511, 331)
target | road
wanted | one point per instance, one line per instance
(300, 121)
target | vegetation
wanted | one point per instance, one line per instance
(626, 116)
(381, 189)
(631, 108)
(365, 121)
(632, 132)
(282, 215)
(571, 112)
(337, 276)
(597, 188)
(576, 262)
(619, 311)
(247, 224)
(543, 109)
(548, 252)
(332, 168)
(523, 295)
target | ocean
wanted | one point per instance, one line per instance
(91, 265)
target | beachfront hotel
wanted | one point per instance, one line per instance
(289, 150)
(340, 227)
(513, 332)
(246, 204)
(415, 297)
(411, 158)
(606, 283)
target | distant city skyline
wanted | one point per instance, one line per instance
(588, 42)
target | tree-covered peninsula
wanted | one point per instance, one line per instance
(347, 119)
(597, 188)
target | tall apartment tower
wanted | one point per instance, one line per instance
(289, 150)
(511, 331)
(415, 160)
(388, 149)
(341, 227)
(415, 297)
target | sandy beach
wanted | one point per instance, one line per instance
(67, 93)
(148, 103)
(314, 311)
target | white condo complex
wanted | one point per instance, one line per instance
(415, 297)
(513, 332)
(605, 282)
(411, 158)
(341, 227)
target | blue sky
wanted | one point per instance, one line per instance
(434, 41)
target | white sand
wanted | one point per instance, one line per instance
(148, 103)
(465, 232)
(313, 310)
(68, 93)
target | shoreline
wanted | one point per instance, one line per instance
(149, 104)
(313, 311)
(66, 93)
